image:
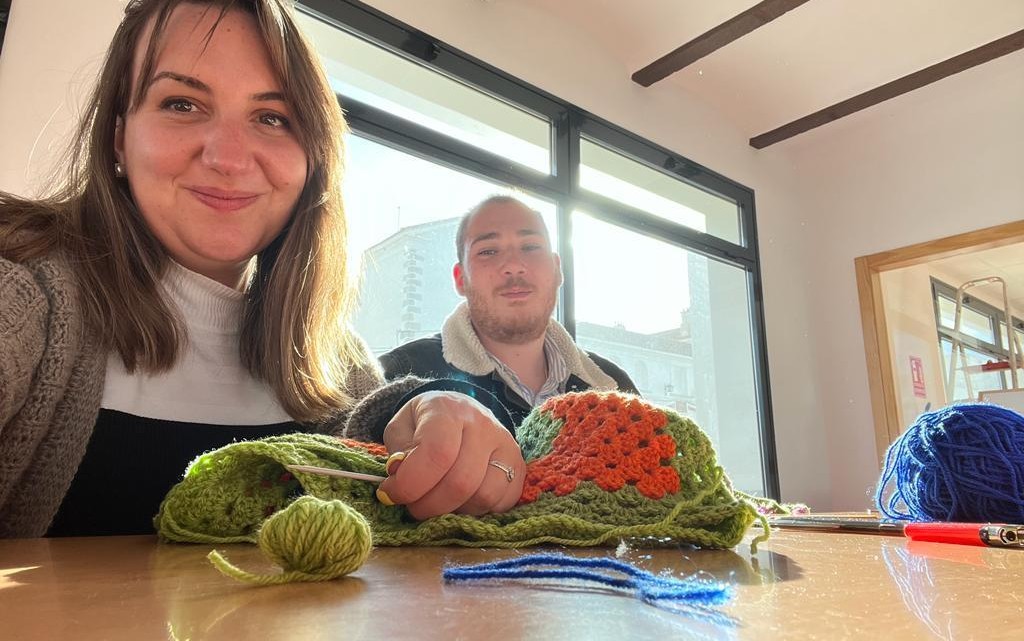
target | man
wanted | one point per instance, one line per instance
(503, 339)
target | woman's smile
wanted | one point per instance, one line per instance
(223, 200)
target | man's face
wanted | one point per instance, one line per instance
(509, 276)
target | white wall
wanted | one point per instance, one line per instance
(940, 161)
(913, 332)
(51, 54)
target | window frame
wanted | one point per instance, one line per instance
(568, 123)
(996, 316)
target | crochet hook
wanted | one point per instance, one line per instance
(326, 471)
(980, 534)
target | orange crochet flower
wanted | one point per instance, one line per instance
(609, 439)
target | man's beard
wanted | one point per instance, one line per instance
(515, 328)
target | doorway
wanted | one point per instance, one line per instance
(890, 419)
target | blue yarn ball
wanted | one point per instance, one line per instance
(961, 463)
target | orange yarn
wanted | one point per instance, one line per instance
(609, 439)
(374, 449)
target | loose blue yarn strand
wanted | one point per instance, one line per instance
(645, 586)
(964, 462)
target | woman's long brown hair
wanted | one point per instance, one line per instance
(295, 331)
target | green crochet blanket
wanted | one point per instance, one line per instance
(601, 468)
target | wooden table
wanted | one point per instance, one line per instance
(800, 585)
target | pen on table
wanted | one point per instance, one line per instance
(990, 534)
(980, 534)
(326, 471)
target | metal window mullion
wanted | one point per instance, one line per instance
(567, 163)
(759, 344)
(762, 385)
(748, 222)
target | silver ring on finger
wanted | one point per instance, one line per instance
(510, 474)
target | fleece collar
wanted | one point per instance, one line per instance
(462, 348)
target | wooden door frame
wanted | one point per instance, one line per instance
(881, 376)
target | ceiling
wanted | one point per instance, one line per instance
(814, 56)
(810, 58)
(1006, 262)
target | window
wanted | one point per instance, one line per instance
(371, 75)
(972, 322)
(986, 352)
(699, 323)
(659, 254)
(609, 173)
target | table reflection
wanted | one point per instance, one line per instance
(930, 578)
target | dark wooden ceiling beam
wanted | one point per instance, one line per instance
(916, 80)
(757, 16)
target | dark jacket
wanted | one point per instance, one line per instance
(456, 353)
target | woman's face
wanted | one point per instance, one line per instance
(210, 155)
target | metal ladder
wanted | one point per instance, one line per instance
(1014, 346)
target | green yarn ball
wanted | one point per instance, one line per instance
(317, 537)
(312, 540)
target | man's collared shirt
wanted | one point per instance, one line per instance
(558, 375)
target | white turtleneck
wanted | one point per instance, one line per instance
(208, 383)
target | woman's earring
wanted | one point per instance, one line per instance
(119, 170)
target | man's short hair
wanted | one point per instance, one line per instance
(460, 235)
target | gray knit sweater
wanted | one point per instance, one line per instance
(51, 383)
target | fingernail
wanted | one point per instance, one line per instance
(383, 497)
(392, 463)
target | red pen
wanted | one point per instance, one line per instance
(983, 534)
(980, 534)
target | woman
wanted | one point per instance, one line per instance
(186, 286)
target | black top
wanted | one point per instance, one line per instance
(424, 357)
(130, 465)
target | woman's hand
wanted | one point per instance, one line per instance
(442, 447)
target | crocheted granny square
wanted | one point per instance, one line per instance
(601, 467)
